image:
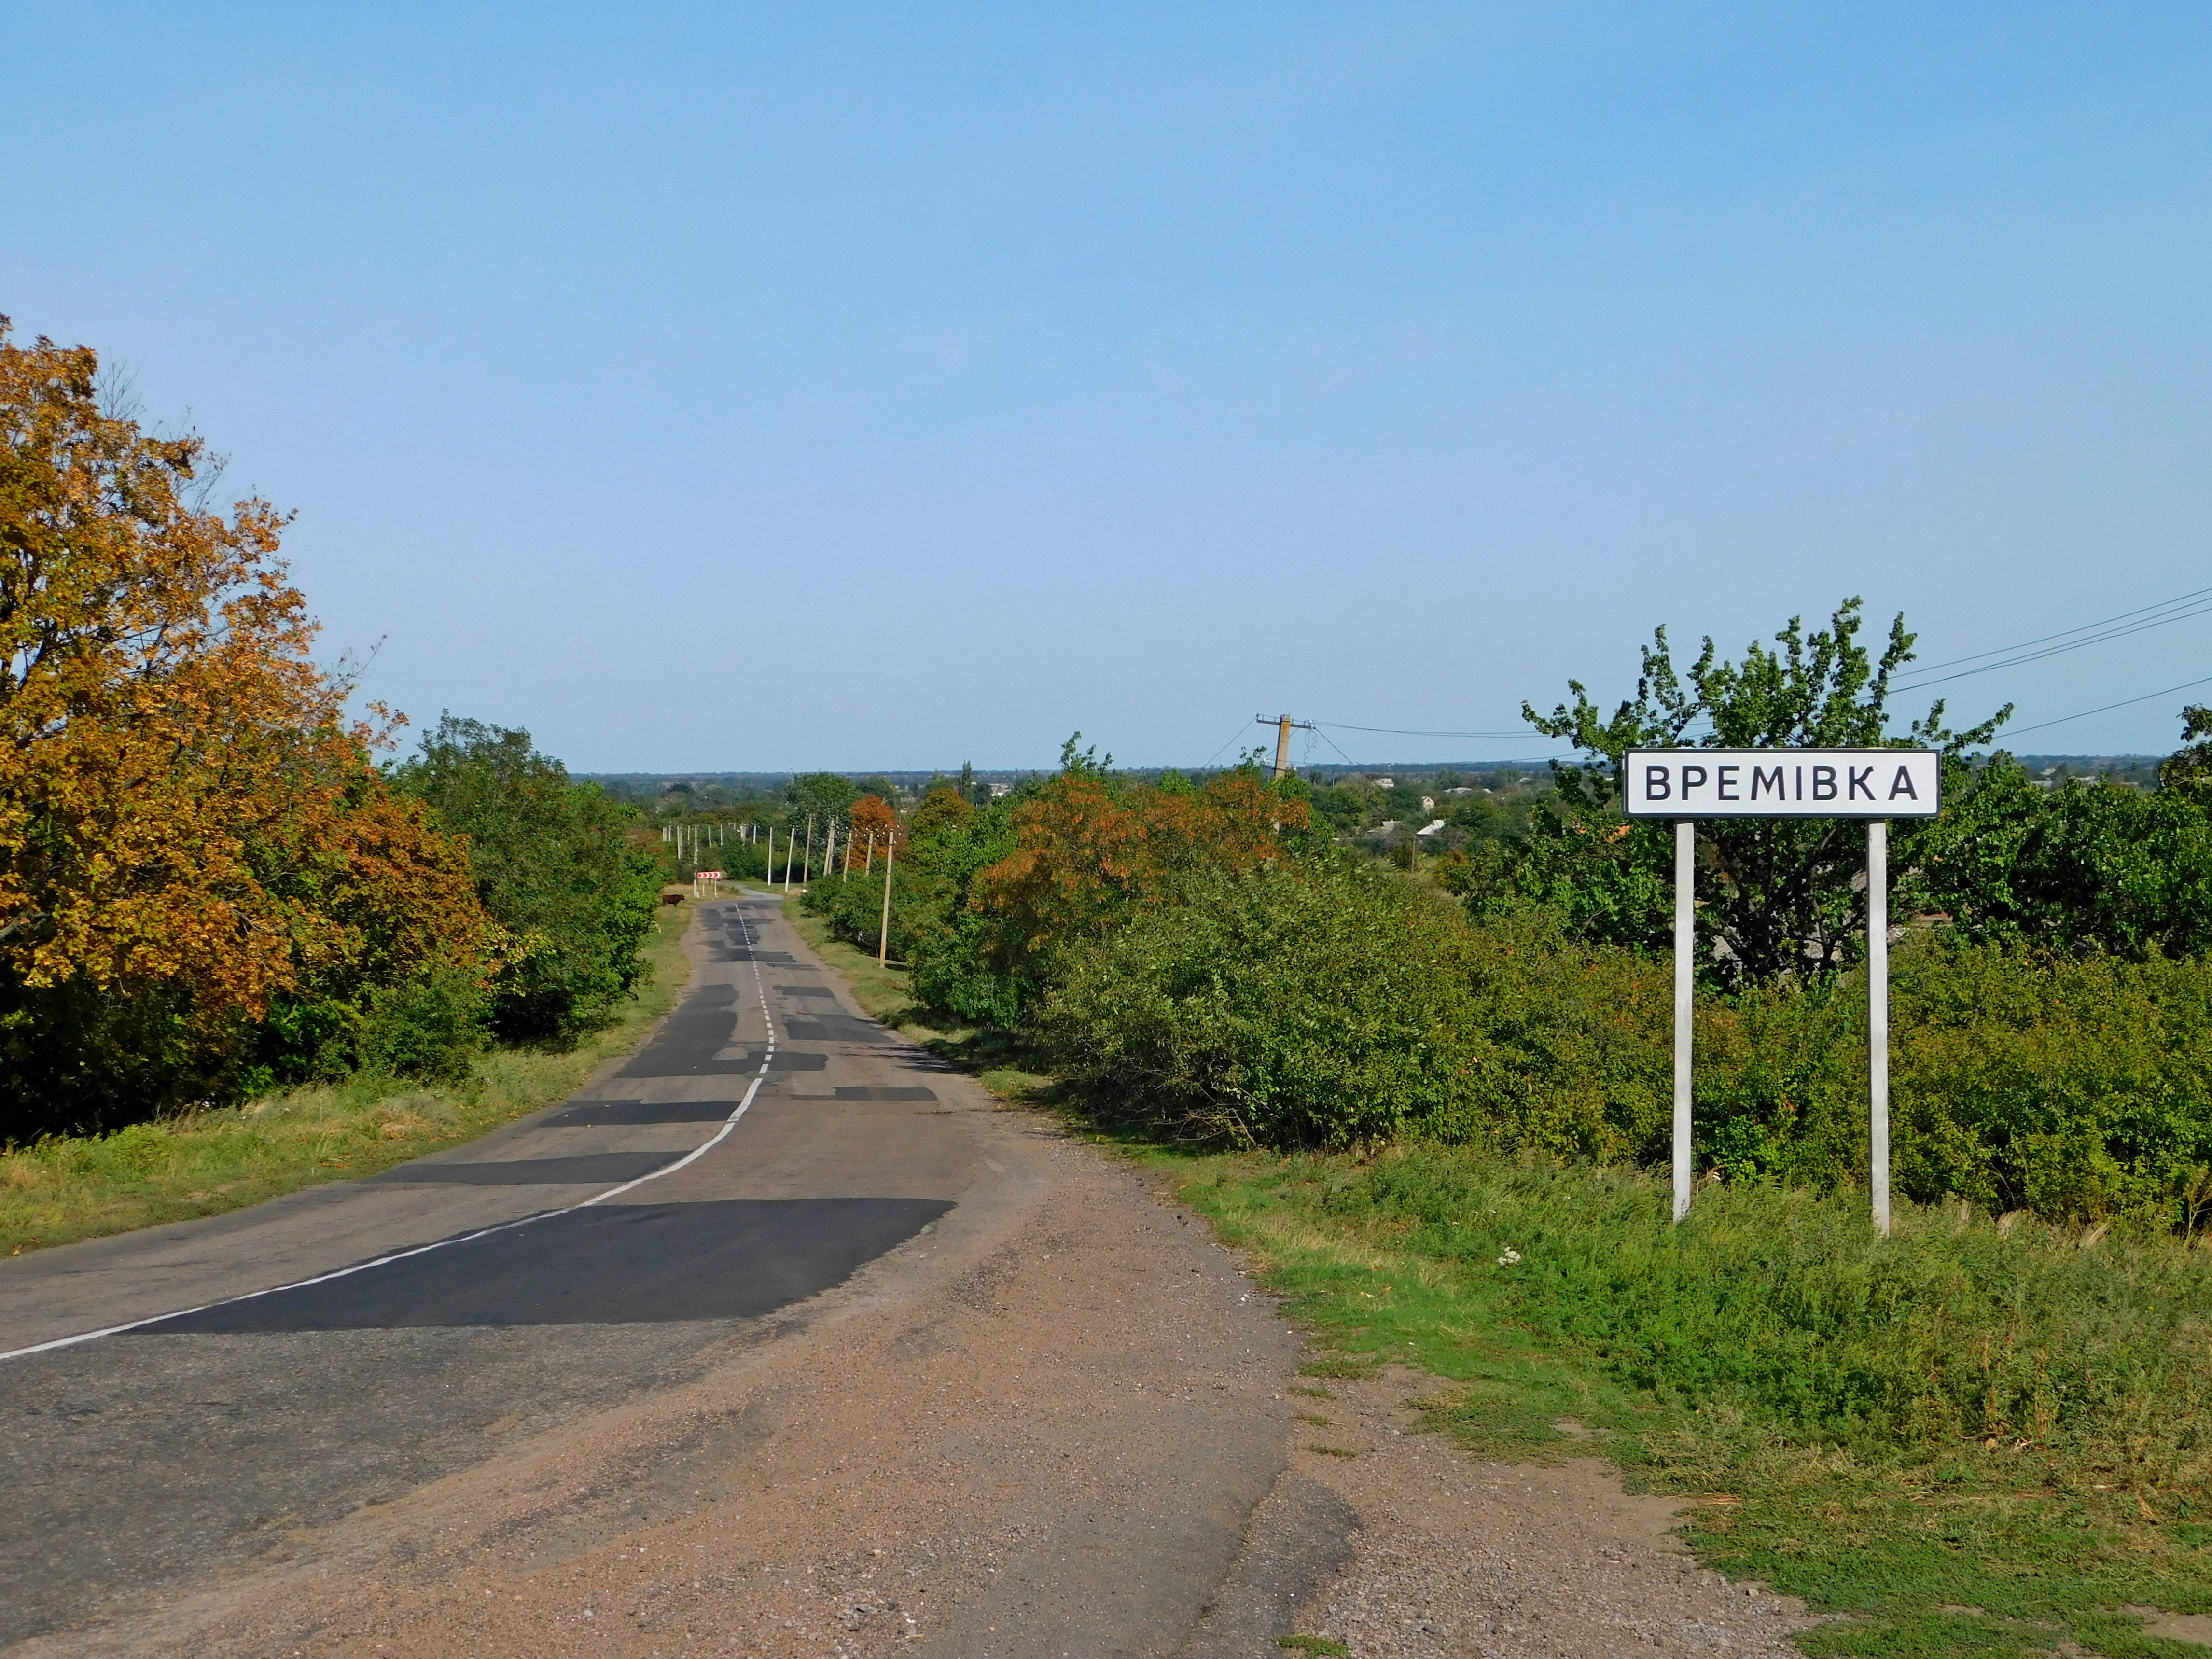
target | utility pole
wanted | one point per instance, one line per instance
(869, 868)
(1283, 726)
(884, 931)
(806, 870)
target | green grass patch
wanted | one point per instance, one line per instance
(1311, 1645)
(1968, 1439)
(65, 1188)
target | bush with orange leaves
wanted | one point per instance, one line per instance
(194, 842)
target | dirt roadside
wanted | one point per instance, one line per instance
(1060, 1423)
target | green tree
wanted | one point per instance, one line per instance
(820, 796)
(554, 865)
(1777, 894)
(2084, 867)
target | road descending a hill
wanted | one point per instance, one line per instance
(780, 1337)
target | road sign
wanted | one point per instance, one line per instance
(1782, 783)
(710, 875)
(1874, 784)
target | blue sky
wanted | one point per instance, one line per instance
(756, 387)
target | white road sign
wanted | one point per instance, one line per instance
(1782, 783)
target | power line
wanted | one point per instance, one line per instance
(2201, 592)
(1400, 731)
(2147, 696)
(2074, 639)
(1217, 753)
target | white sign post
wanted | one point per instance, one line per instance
(1874, 784)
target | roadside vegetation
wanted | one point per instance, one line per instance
(65, 1187)
(1431, 1095)
(239, 949)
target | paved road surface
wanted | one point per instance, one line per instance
(193, 1451)
(148, 1457)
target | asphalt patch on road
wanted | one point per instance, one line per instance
(835, 1027)
(619, 1264)
(597, 1169)
(599, 1114)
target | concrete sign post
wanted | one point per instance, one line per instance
(1874, 784)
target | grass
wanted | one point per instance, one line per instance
(1963, 1441)
(1981, 1436)
(71, 1187)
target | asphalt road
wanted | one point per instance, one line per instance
(352, 1343)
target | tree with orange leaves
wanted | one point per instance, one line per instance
(191, 831)
(873, 825)
(1090, 848)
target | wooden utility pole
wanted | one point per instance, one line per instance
(1283, 726)
(883, 933)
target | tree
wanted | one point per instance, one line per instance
(2084, 868)
(823, 795)
(2189, 767)
(871, 829)
(190, 829)
(1091, 847)
(555, 865)
(1778, 895)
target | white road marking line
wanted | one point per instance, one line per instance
(760, 988)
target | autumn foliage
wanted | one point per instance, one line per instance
(873, 828)
(1089, 850)
(193, 837)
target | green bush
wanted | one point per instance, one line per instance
(1327, 1006)
(431, 1030)
(1316, 1007)
(2083, 867)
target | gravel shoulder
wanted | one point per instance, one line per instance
(1062, 1420)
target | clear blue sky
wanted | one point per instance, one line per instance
(814, 385)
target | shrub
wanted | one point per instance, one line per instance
(1325, 1006)
(431, 1030)
(1316, 1007)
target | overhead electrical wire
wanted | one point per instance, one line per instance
(2073, 639)
(2147, 696)
(1400, 731)
(2181, 608)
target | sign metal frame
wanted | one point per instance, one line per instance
(1686, 785)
